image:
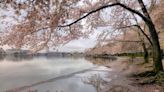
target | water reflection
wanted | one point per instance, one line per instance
(19, 58)
(45, 73)
(101, 61)
(2, 57)
(29, 71)
(75, 82)
(15, 57)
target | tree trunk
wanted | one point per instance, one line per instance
(146, 57)
(156, 51)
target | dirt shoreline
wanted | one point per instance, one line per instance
(122, 81)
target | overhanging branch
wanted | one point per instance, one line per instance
(104, 7)
(111, 5)
(145, 34)
(134, 41)
(147, 37)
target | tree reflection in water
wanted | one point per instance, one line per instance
(101, 61)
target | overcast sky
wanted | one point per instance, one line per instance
(74, 45)
(81, 44)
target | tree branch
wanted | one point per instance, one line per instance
(140, 30)
(145, 34)
(104, 7)
(124, 41)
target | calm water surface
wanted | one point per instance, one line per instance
(47, 75)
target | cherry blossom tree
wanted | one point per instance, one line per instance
(47, 23)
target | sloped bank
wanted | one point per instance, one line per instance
(122, 79)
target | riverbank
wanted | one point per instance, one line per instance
(123, 79)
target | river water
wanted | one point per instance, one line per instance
(49, 75)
